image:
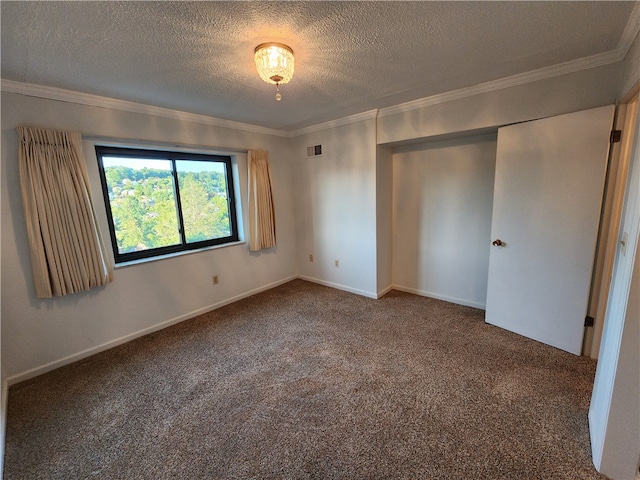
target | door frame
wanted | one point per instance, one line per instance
(613, 201)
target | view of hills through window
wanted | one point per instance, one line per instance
(146, 202)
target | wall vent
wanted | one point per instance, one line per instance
(314, 151)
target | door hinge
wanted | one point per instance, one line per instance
(588, 321)
(615, 136)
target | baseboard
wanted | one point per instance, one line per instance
(338, 286)
(384, 291)
(34, 372)
(437, 296)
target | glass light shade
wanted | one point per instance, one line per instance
(274, 62)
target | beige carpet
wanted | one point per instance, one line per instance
(308, 382)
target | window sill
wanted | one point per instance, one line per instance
(177, 254)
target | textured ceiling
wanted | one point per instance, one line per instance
(350, 57)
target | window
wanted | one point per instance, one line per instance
(165, 202)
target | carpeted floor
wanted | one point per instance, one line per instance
(309, 382)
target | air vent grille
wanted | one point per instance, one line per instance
(314, 151)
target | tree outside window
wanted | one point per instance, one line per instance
(164, 202)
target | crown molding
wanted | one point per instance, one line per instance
(358, 117)
(506, 82)
(70, 96)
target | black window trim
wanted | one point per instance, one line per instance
(172, 155)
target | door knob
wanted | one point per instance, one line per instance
(498, 243)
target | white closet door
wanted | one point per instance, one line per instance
(548, 191)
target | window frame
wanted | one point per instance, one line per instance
(172, 156)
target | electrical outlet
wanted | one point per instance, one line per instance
(337, 264)
(215, 280)
(311, 257)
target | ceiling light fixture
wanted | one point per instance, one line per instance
(274, 62)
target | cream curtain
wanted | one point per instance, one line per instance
(262, 220)
(67, 252)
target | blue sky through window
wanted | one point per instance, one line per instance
(158, 164)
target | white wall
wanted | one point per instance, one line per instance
(335, 204)
(442, 205)
(40, 334)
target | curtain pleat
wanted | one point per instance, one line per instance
(68, 254)
(262, 220)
